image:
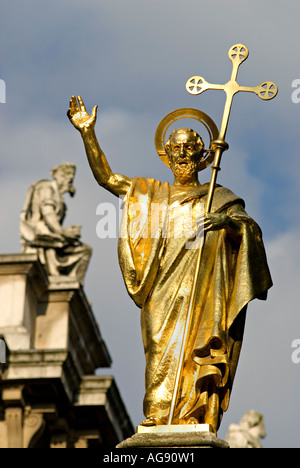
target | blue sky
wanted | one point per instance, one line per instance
(133, 59)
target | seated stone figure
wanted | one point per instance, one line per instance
(41, 230)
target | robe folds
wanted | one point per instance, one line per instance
(158, 262)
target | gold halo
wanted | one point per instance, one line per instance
(185, 113)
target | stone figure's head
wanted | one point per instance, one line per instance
(185, 150)
(64, 174)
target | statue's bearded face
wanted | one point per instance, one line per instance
(185, 152)
(64, 178)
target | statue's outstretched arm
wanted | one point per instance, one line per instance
(85, 124)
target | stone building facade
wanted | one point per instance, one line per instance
(50, 393)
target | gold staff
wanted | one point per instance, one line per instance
(197, 85)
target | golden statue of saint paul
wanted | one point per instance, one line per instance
(158, 266)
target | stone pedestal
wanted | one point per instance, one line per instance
(49, 393)
(22, 284)
(174, 437)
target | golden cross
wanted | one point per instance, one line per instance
(237, 54)
(267, 90)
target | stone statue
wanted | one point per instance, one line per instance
(248, 432)
(158, 267)
(41, 230)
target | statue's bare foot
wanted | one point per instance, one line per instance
(192, 421)
(150, 422)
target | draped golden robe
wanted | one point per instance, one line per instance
(158, 271)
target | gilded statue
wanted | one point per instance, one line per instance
(158, 264)
(59, 248)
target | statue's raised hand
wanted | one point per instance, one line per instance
(78, 115)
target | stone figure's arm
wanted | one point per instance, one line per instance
(116, 183)
(46, 204)
(51, 220)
